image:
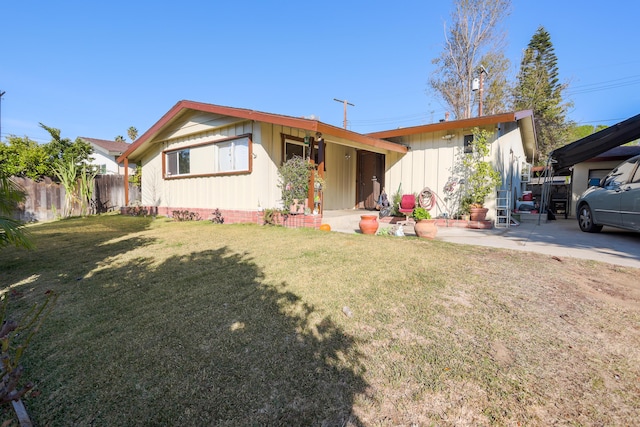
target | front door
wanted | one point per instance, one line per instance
(370, 179)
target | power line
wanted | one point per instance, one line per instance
(606, 85)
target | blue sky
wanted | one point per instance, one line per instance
(95, 68)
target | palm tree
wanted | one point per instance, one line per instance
(12, 231)
(133, 133)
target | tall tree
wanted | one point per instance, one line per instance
(539, 89)
(474, 39)
(133, 133)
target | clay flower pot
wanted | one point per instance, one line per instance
(426, 228)
(478, 214)
(368, 224)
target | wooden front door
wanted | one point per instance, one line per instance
(370, 179)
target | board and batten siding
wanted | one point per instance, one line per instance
(250, 191)
(340, 176)
(240, 191)
(431, 161)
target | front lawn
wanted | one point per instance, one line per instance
(194, 323)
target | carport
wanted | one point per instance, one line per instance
(562, 159)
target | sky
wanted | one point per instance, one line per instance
(94, 69)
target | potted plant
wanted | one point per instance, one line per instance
(481, 178)
(425, 226)
(294, 183)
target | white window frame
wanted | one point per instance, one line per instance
(175, 169)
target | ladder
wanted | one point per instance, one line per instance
(503, 209)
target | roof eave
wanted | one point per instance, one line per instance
(454, 124)
(300, 123)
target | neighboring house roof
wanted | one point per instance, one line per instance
(524, 118)
(622, 152)
(301, 123)
(114, 148)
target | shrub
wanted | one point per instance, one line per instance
(294, 180)
(185, 215)
(216, 217)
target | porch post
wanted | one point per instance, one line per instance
(311, 191)
(126, 181)
(321, 148)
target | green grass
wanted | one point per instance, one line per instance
(193, 323)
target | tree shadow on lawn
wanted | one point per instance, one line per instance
(67, 250)
(197, 340)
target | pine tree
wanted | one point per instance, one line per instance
(539, 89)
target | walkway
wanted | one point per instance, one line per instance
(561, 238)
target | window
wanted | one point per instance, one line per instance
(178, 163)
(468, 144)
(232, 156)
(295, 146)
(620, 175)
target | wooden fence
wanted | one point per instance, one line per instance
(45, 198)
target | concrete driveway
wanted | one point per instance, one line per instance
(561, 238)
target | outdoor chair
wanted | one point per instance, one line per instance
(407, 204)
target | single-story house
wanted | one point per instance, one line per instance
(201, 157)
(105, 153)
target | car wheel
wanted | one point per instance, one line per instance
(585, 220)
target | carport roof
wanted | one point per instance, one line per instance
(595, 144)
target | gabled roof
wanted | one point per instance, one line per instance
(113, 147)
(296, 122)
(524, 119)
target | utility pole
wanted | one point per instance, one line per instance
(344, 124)
(482, 72)
(2, 92)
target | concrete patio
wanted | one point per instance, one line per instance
(560, 237)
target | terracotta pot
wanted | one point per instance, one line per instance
(426, 228)
(478, 214)
(368, 224)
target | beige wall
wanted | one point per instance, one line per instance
(431, 161)
(242, 191)
(580, 178)
(245, 191)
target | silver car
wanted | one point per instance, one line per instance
(614, 202)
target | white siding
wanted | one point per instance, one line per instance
(100, 159)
